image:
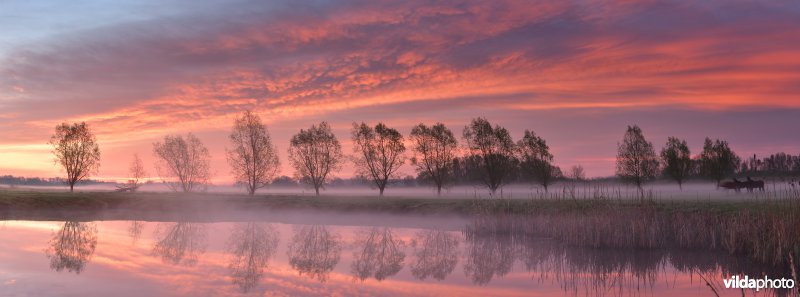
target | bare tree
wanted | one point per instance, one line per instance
(314, 154)
(535, 159)
(254, 159)
(183, 162)
(717, 160)
(137, 172)
(677, 160)
(495, 150)
(434, 148)
(636, 159)
(577, 173)
(379, 152)
(76, 150)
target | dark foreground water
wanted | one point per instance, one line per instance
(363, 257)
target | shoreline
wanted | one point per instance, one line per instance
(29, 204)
(764, 230)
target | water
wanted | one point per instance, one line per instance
(348, 256)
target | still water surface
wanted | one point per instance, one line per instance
(257, 258)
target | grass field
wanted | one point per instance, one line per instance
(12, 201)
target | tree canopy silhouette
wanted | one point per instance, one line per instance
(379, 152)
(315, 153)
(535, 159)
(677, 160)
(494, 149)
(577, 173)
(253, 157)
(76, 150)
(184, 162)
(717, 160)
(137, 173)
(636, 158)
(434, 148)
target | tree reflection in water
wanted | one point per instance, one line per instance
(490, 248)
(180, 243)
(135, 231)
(251, 245)
(72, 246)
(436, 254)
(314, 251)
(380, 255)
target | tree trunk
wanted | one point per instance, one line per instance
(641, 191)
(71, 185)
(316, 188)
(439, 190)
(381, 189)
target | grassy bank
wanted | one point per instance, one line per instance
(21, 202)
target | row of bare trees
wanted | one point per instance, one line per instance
(380, 151)
(315, 153)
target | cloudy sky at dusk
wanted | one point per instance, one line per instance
(575, 72)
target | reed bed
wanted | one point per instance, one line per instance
(495, 242)
(765, 228)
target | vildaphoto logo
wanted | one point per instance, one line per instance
(736, 282)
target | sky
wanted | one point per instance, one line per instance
(575, 72)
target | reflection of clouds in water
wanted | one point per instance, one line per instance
(314, 251)
(435, 253)
(72, 246)
(378, 254)
(250, 245)
(180, 243)
(491, 246)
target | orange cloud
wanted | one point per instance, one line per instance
(305, 65)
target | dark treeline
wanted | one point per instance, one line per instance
(775, 165)
(485, 154)
(38, 181)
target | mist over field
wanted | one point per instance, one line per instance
(696, 190)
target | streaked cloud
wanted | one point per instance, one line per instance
(136, 72)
